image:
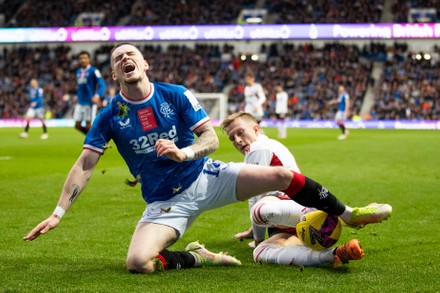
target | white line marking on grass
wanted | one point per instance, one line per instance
(5, 158)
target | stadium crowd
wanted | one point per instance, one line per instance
(408, 88)
(325, 11)
(47, 13)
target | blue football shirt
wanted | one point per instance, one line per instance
(342, 101)
(169, 112)
(36, 96)
(89, 82)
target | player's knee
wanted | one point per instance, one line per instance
(259, 253)
(283, 177)
(139, 265)
(259, 215)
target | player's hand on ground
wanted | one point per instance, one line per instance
(248, 234)
(168, 148)
(43, 228)
(254, 243)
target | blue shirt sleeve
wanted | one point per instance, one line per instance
(100, 132)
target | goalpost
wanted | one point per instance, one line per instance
(215, 105)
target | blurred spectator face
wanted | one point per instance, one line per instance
(84, 60)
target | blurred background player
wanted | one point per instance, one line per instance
(343, 112)
(281, 104)
(244, 133)
(108, 98)
(35, 109)
(254, 97)
(284, 247)
(91, 87)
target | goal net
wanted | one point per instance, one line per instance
(214, 104)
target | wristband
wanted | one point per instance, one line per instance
(59, 211)
(189, 152)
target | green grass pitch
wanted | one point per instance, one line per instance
(87, 251)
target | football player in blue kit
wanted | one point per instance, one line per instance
(36, 109)
(91, 87)
(343, 111)
(153, 127)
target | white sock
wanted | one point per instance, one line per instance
(279, 212)
(197, 258)
(346, 215)
(292, 255)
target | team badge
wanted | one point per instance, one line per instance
(166, 110)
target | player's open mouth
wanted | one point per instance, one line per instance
(128, 68)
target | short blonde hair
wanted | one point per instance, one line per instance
(238, 115)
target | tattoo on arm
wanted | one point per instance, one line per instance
(75, 193)
(206, 143)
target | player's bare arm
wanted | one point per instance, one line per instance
(76, 181)
(206, 143)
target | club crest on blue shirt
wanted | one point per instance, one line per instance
(166, 110)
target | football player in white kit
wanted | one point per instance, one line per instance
(283, 246)
(281, 109)
(244, 132)
(264, 152)
(254, 97)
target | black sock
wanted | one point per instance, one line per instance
(176, 260)
(44, 128)
(26, 129)
(342, 126)
(315, 195)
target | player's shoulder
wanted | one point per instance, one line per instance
(95, 71)
(262, 142)
(265, 143)
(168, 87)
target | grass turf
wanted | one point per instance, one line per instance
(87, 251)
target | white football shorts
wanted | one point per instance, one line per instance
(35, 113)
(215, 187)
(82, 113)
(340, 116)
